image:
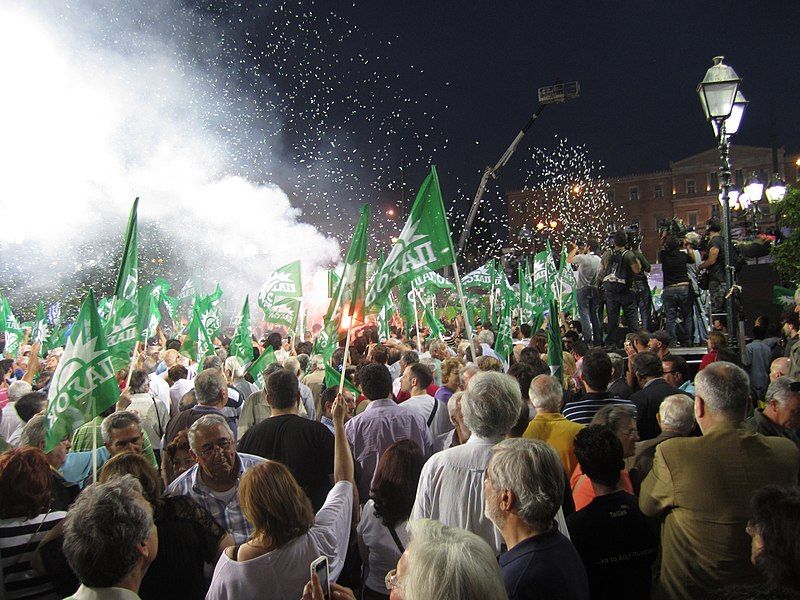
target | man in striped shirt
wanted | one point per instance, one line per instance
(596, 375)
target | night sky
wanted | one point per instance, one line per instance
(463, 76)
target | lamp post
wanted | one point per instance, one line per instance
(723, 106)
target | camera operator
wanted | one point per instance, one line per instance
(618, 267)
(700, 323)
(641, 287)
(677, 294)
(587, 288)
(715, 264)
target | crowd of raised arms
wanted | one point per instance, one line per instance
(440, 471)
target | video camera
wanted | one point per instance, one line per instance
(674, 226)
(634, 236)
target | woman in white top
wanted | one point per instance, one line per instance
(153, 412)
(382, 535)
(288, 537)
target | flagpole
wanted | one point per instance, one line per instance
(416, 316)
(346, 354)
(94, 441)
(467, 324)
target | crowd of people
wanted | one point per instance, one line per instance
(451, 473)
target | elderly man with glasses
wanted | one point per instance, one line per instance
(780, 416)
(214, 481)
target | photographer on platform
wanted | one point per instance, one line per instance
(715, 264)
(587, 288)
(677, 295)
(618, 267)
(641, 286)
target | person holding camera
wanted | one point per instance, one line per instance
(587, 285)
(715, 264)
(618, 268)
(677, 294)
(641, 286)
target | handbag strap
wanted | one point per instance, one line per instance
(433, 411)
(396, 538)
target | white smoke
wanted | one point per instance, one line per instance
(90, 122)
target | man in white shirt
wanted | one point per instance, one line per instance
(416, 379)
(10, 420)
(408, 357)
(451, 485)
(587, 288)
(152, 411)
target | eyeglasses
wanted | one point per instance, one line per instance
(391, 582)
(208, 449)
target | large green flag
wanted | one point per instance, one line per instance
(349, 295)
(424, 244)
(149, 315)
(83, 385)
(333, 282)
(504, 345)
(241, 345)
(11, 328)
(104, 308)
(568, 284)
(121, 328)
(285, 312)
(436, 327)
(782, 296)
(332, 378)
(257, 367)
(197, 344)
(384, 331)
(208, 309)
(285, 282)
(431, 281)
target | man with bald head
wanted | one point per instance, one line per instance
(700, 488)
(779, 368)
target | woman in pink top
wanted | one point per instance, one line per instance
(621, 419)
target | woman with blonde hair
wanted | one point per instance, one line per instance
(288, 536)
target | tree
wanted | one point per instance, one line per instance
(787, 253)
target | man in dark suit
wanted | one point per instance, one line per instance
(653, 389)
(700, 488)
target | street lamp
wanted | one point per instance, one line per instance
(718, 95)
(776, 190)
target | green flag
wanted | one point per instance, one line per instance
(208, 309)
(104, 308)
(285, 282)
(424, 244)
(121, 328)
(436, 327)
(332, 378)
(479, 278)
(187, 291)
(555, 358)
(384, 332)
(782, 296)
(11, 328)
(149, 315)
(257, 367)
(568, 284)
(431, 281)
(173, 307)
(349, 295)
(40, 329)
(84, 383)
(241, 345)
(197, 344)
(160, 289)
(283, 312)
(333, 282)
(504, 345)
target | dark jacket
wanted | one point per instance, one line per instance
(647, 401)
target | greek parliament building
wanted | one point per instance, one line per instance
(688, 190)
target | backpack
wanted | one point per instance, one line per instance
(618, 276)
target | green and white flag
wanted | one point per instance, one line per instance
(285, 282)
(480, 277)
(84, 383)
(782, 296)
(384, 332)
(121, 328)
(197, 344)
(187, 291)
(568, 285)
(505, 343)
(332, 378)
(208, 310)
(333, 281)
(424, 244)
(149, 315)
(431, 281)
(555, 357)
(104, 308)
(284, 312)
(11, 328)
(257, 367)
(349, 295)
(434, 324)
(40, 329)
(241, 345)
(160, 289)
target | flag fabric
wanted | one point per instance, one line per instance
(285, 282)
(350, 292)
(197, 343)
(40, 329)
(104, 308)
(121, 327)
(84, 383)
(555, 358)
(283, 312)
(188, 291)
(384, 332)
(431, 281)
(568, 284)
(241, 345)
(424, 244)
(54, 314)
(173, 308)
(11, 328)
(479, 278)
(436, 327)
(208, 310)
(333, 378)
(782, 296)
(333, 282)
(257, 367)
(56, 339)
(504, 344)
(149, 315)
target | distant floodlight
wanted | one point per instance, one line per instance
(560, 92)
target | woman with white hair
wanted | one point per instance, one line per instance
(445, 563)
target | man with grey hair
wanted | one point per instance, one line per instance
(618, 386)
(486, 340)
(549, 425)
(10, 420)
(524, 489)
(780, 416)
(292, 365)
(459, 434)
(676, 419)
(110, 539)
(450, 487)
(315, 380)
(211, 394)
(153, 412)
(700, 487)
(214, 481)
